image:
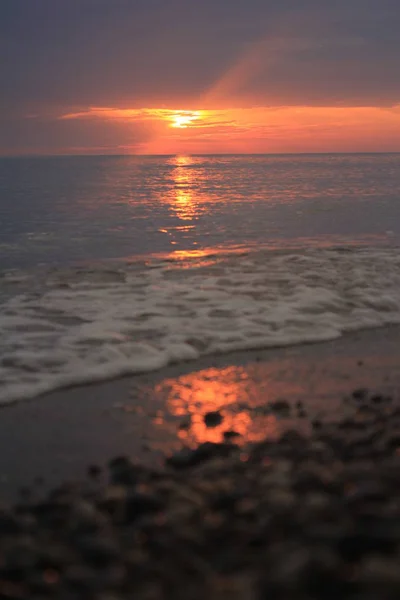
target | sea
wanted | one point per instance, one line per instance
(116, 265)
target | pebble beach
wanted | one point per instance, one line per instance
(300, 517)
(312, 512)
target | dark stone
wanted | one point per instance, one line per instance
(81, 578)
(230, 435)
(378, 399)
(123, 471)
(186, 457)
(393, 442)
(367, 491)
(185, 424)
(55, 556)
(39, 586)
(351, 424)
(360, 394)
(225, 500)
(99, 551)
(94, 471)
(294, 439)
(112, 501)
(86, 519)
(138, 504)
(25, 493)
(120, 461)
(213, 418)
(9, 523)
(54, 513)
(308, 481)
(280, 406)
(112, 578)
(182, 459)
(21, 555)
(362, 542)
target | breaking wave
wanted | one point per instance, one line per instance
(68, 326)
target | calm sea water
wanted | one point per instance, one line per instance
(112, 265)
(63, 210)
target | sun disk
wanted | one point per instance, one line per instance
(184, 119)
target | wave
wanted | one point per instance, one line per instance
(67, 326)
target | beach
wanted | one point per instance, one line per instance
(57, 436)
(199, 381)
(289, 489)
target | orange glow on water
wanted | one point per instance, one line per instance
(183, 203)
(184, 200)
(214, 389)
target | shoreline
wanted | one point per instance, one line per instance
(302, 516)
(55, 437)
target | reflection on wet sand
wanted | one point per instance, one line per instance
(228, 390)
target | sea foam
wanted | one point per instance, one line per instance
(68, 326)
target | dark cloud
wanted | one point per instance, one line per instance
(52, 136)
(60, 55)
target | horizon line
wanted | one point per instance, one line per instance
(198, 154)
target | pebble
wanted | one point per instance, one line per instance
(186, 423)
(213, 418)
(303, 517)
(9, 523)
(138, 504)
(393, 442)
(122, 470)
(360, 394)
(98, 551)
(94, 471)
(281, 407)
(113, 500)
(189, 458)
(230, 435)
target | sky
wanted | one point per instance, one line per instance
(199, 76)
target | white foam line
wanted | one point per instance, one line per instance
(82, 325)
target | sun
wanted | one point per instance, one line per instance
(184, 118)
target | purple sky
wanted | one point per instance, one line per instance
(60, 56)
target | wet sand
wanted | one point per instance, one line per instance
(55, 437)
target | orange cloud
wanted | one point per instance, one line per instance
(260, 129)
(175, 118)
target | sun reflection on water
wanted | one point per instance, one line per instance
(225, 390)
(184, 200)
